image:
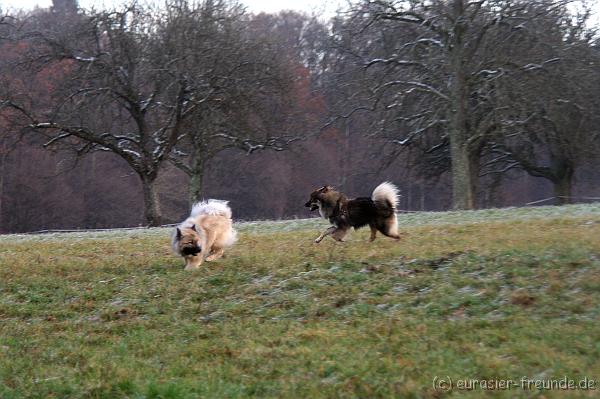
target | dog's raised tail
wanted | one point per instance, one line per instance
(386, 192)
(231, 238)
(211, 207)
(216, 207)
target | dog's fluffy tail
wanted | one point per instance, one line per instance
(216, 207)
(211, 207)
(386, 192)
(232, 238)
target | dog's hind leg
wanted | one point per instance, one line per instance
(339, 234)
(325, 234)
(390, 228)
(395, 236)
(215, 254)
(207, 246)
(373, 233)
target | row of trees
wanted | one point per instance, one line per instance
(476, 87)
(473, 90)
(179, 84)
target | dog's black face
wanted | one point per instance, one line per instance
(189, 242)
(315, 197)
(191, 250)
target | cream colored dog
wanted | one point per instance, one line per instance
(205, 234)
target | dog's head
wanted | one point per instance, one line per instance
(316, 197)
(187, 241)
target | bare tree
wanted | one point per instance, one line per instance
(118, 89)
(246, 85)
(429, 69)
(9, 119)
(547, 110)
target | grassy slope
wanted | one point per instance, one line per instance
(489, 294)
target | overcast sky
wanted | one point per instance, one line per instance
(319, 6)
(324, 8)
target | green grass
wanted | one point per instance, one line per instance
(494, 295)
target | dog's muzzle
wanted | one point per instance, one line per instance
(191, 251)
(312, 205)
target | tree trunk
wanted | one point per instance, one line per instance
(563, 185)
(464, 176)
(196, 180)
(152, 213)
(464, 161)
(464, 166)
(89, 198)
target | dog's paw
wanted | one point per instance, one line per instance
(318, 240)
(213, 257)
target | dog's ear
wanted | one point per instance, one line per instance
(324, 189)
(178, 234)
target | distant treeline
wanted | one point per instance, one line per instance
(123, 117)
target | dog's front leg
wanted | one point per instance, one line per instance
(194, 262)
(325, 234)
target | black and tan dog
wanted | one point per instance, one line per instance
(379, 211)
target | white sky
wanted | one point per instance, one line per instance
(320, 7)
(324, 8)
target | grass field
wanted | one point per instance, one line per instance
(495, 295)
